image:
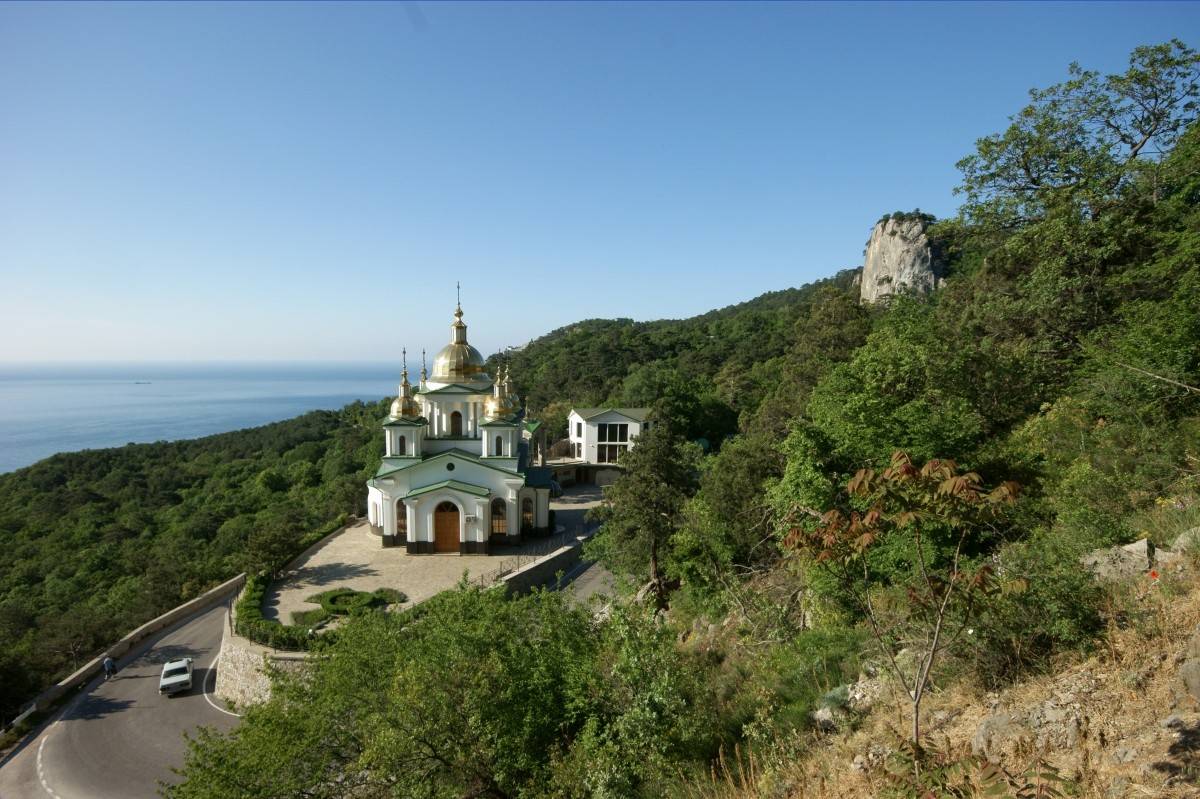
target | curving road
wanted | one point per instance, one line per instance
(119, 739)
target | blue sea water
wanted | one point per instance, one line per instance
(49, 408)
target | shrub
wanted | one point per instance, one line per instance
(391, 596)
(309, 618)
(250, 622)
(347, 601)
(1055, 609)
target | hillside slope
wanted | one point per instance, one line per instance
(1121, 723)
(588, 362)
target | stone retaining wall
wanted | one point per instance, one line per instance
(93, 667)
(544, 570)
(243, 665)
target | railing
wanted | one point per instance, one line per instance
(528, 554)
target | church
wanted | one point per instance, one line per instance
(456, 473)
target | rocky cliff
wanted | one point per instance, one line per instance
(899, 257)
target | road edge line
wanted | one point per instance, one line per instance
(216, 662)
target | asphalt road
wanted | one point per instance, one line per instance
(119, 739)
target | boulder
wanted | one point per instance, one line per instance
(1116, 563)
(1189, 675)
(1186, 541)
(824, 720)
(997, 734)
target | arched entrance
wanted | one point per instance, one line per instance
(445, 528)
(456, 424)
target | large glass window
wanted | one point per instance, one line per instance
(579, 429)
(401, 446)
(456, 424)
(609, 453)
(613, 432)
(499, 446)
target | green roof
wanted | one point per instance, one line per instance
(501, 422)
(532, 426)
(420, 421)
(636, 414)
(389, 465)
(466, 488)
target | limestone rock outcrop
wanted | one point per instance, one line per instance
(899, 258)
(1123, 562)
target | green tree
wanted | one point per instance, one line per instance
(470, 694)
(938, 515)
(642, 509)
(1083, 141)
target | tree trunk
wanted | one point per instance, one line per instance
(660, 592)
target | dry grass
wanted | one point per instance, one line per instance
(1118, 724)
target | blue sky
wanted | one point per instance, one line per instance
(307, 181)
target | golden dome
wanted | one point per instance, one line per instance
(404, 405)
(458, 361)
(503, 402)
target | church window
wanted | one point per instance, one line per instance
(579, 429)
(499, 517)
(499, 446)
(401, 520)
(456, 428)
(527, 514)
(401, 446)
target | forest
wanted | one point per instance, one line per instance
(97, 542)
(910, 485)
(830, 486)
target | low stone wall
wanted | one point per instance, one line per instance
(93, 667)
(243, 666)
(544, 570)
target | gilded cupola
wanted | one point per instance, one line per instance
(503, 402)
(458, 361)
(405, 406)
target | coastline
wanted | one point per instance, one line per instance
(52, 409)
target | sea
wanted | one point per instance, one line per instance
(50, 408)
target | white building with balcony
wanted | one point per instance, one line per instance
(455, 475)
(602, 435)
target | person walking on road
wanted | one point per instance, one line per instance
(110, 667)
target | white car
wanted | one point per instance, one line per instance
(176, 676)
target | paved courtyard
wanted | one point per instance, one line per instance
(355, 559)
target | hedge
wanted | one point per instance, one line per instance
(250, 622)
